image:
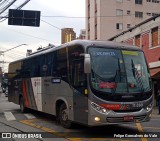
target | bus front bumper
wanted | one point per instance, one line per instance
(112, 117)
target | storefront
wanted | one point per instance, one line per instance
(155, 75)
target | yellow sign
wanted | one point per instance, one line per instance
(126, 52)
(86, 91)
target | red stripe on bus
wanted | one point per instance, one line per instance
(111, 106)
(25, 94)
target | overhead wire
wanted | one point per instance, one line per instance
(107, 16)
(29, 35)
(3, 18)
(85, 17)
(22, 54)
(51, 25)
(7, 6)
(13, 57)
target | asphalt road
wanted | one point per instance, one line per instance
(35, 124)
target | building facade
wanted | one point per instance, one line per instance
(146, 35)
(67, 35)
(82, 35)
(107, 18)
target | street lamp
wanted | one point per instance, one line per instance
(2, 52)
(13, 48)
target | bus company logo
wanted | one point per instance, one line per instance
(103, 53)
(6, 136)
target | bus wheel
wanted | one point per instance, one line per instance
(22, 107)
(63, 116)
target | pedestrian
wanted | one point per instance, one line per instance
(158, 99)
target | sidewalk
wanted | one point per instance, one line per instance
(155, 111)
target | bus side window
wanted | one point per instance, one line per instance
(78, 78)
(26, 69)
(49, 63)
(59, 64)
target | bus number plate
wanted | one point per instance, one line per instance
(137, 105)
(128, 118)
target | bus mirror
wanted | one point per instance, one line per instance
(87, 63)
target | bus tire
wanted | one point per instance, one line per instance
(63, 116)
(23, 109)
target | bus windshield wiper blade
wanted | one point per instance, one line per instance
(137, 77)
(101, 78)
(117, 77)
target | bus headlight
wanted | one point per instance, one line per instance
(97, 119)
(149, 107)
(99, 108)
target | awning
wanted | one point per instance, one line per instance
(155, 73)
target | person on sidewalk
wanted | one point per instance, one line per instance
(158, 99)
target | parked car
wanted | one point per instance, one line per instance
(4, 85)
(6, 92)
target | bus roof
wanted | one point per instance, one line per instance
(84, 43)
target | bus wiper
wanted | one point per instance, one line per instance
(136, 76)
(117, 77)
(98, 76)
(105, 82)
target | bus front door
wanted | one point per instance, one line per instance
(78, 83)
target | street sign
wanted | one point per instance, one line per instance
(24, 17)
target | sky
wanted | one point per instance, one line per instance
(49, 30)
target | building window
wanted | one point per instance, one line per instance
(128, 12)
(138, 1)
(155, 1)
(88, 34)
(119, 26)
(149, 0)
(149, 14)
(137, 41)
(96, 32)
(119, 12)
(128, 26)
(95, 1)
(154, 35)
(138, 14)
(154, 14)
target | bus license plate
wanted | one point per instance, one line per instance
(128, 118)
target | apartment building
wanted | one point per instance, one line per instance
(107, 18)
(82, 34)
(67, 35)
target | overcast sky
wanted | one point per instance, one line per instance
(34, 37)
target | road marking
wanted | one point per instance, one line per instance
(139, 127)
(9, 116)
(30, 116)
(156, 128)
(48, 130)
(63, 135)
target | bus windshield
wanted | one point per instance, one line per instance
(119, 71)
